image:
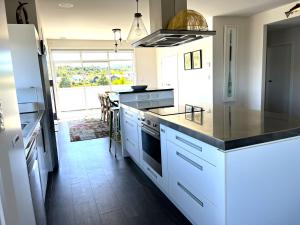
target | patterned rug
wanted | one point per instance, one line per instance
(87, 129)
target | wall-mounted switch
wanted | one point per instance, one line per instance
(2, 128)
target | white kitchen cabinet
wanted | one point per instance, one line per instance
(130, 135)
(202, 150)
(258, 181)
(204, 179)
(196, 178)
(43, 162)
(24, 51)
(196, 186)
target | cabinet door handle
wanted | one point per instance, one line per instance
(190, 194)
(130, 124)
(152, 173)
(128, 114)
(162, 130)
(132, 143)
(190, 161)
(189, 143)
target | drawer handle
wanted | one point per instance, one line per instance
(190, 161)
(130, 142)
(130, 124)
(152, 173)
(190, 194)
(189, 143)
(128, 114)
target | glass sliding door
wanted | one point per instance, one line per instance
(97, 81)
(70, 86)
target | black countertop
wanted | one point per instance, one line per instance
(31, 120)
(147, 90)
(232, 127)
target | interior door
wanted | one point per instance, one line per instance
(278, 79)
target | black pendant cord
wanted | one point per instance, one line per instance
(137, 6)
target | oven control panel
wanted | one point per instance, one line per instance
(151, 122)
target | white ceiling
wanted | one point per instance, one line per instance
(94, 19)
(89, 19)
(234, 7)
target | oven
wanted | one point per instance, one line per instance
(151, 144)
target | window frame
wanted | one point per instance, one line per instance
(82, 62)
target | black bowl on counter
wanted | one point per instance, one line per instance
(139, 87)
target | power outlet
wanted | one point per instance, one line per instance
(2, 128)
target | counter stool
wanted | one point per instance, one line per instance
(104, 107)
(114, 127)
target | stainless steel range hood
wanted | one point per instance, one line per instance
(161, 12)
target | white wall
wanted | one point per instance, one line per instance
(145, 65)
(65, 44)
(290, 36)
(257, 53)
(242, 25)
(194, 86)
(251, 55)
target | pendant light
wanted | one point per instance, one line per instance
(117, 38)
(138, 29)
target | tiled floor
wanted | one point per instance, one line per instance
(94, 188)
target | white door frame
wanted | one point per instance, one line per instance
(264, 81)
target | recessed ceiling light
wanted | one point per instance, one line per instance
(66, 5)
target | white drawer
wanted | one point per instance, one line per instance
(130, 115)
(194, 146)
(155, 177)
(200, 177)
(132, 149)
(197, 209)
(131, 130)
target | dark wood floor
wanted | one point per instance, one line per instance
(93, 188)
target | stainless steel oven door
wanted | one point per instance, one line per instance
(151, 148)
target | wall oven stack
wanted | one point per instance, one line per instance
(151, 142)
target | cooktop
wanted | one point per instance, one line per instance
(166, 111)
(174, 110)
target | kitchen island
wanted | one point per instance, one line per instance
(229, 167)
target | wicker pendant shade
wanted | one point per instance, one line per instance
(188, 20)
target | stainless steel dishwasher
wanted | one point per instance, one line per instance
(35, 181)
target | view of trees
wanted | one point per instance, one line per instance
(77, 76)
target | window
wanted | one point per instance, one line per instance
(93, 68)
(82, 75)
